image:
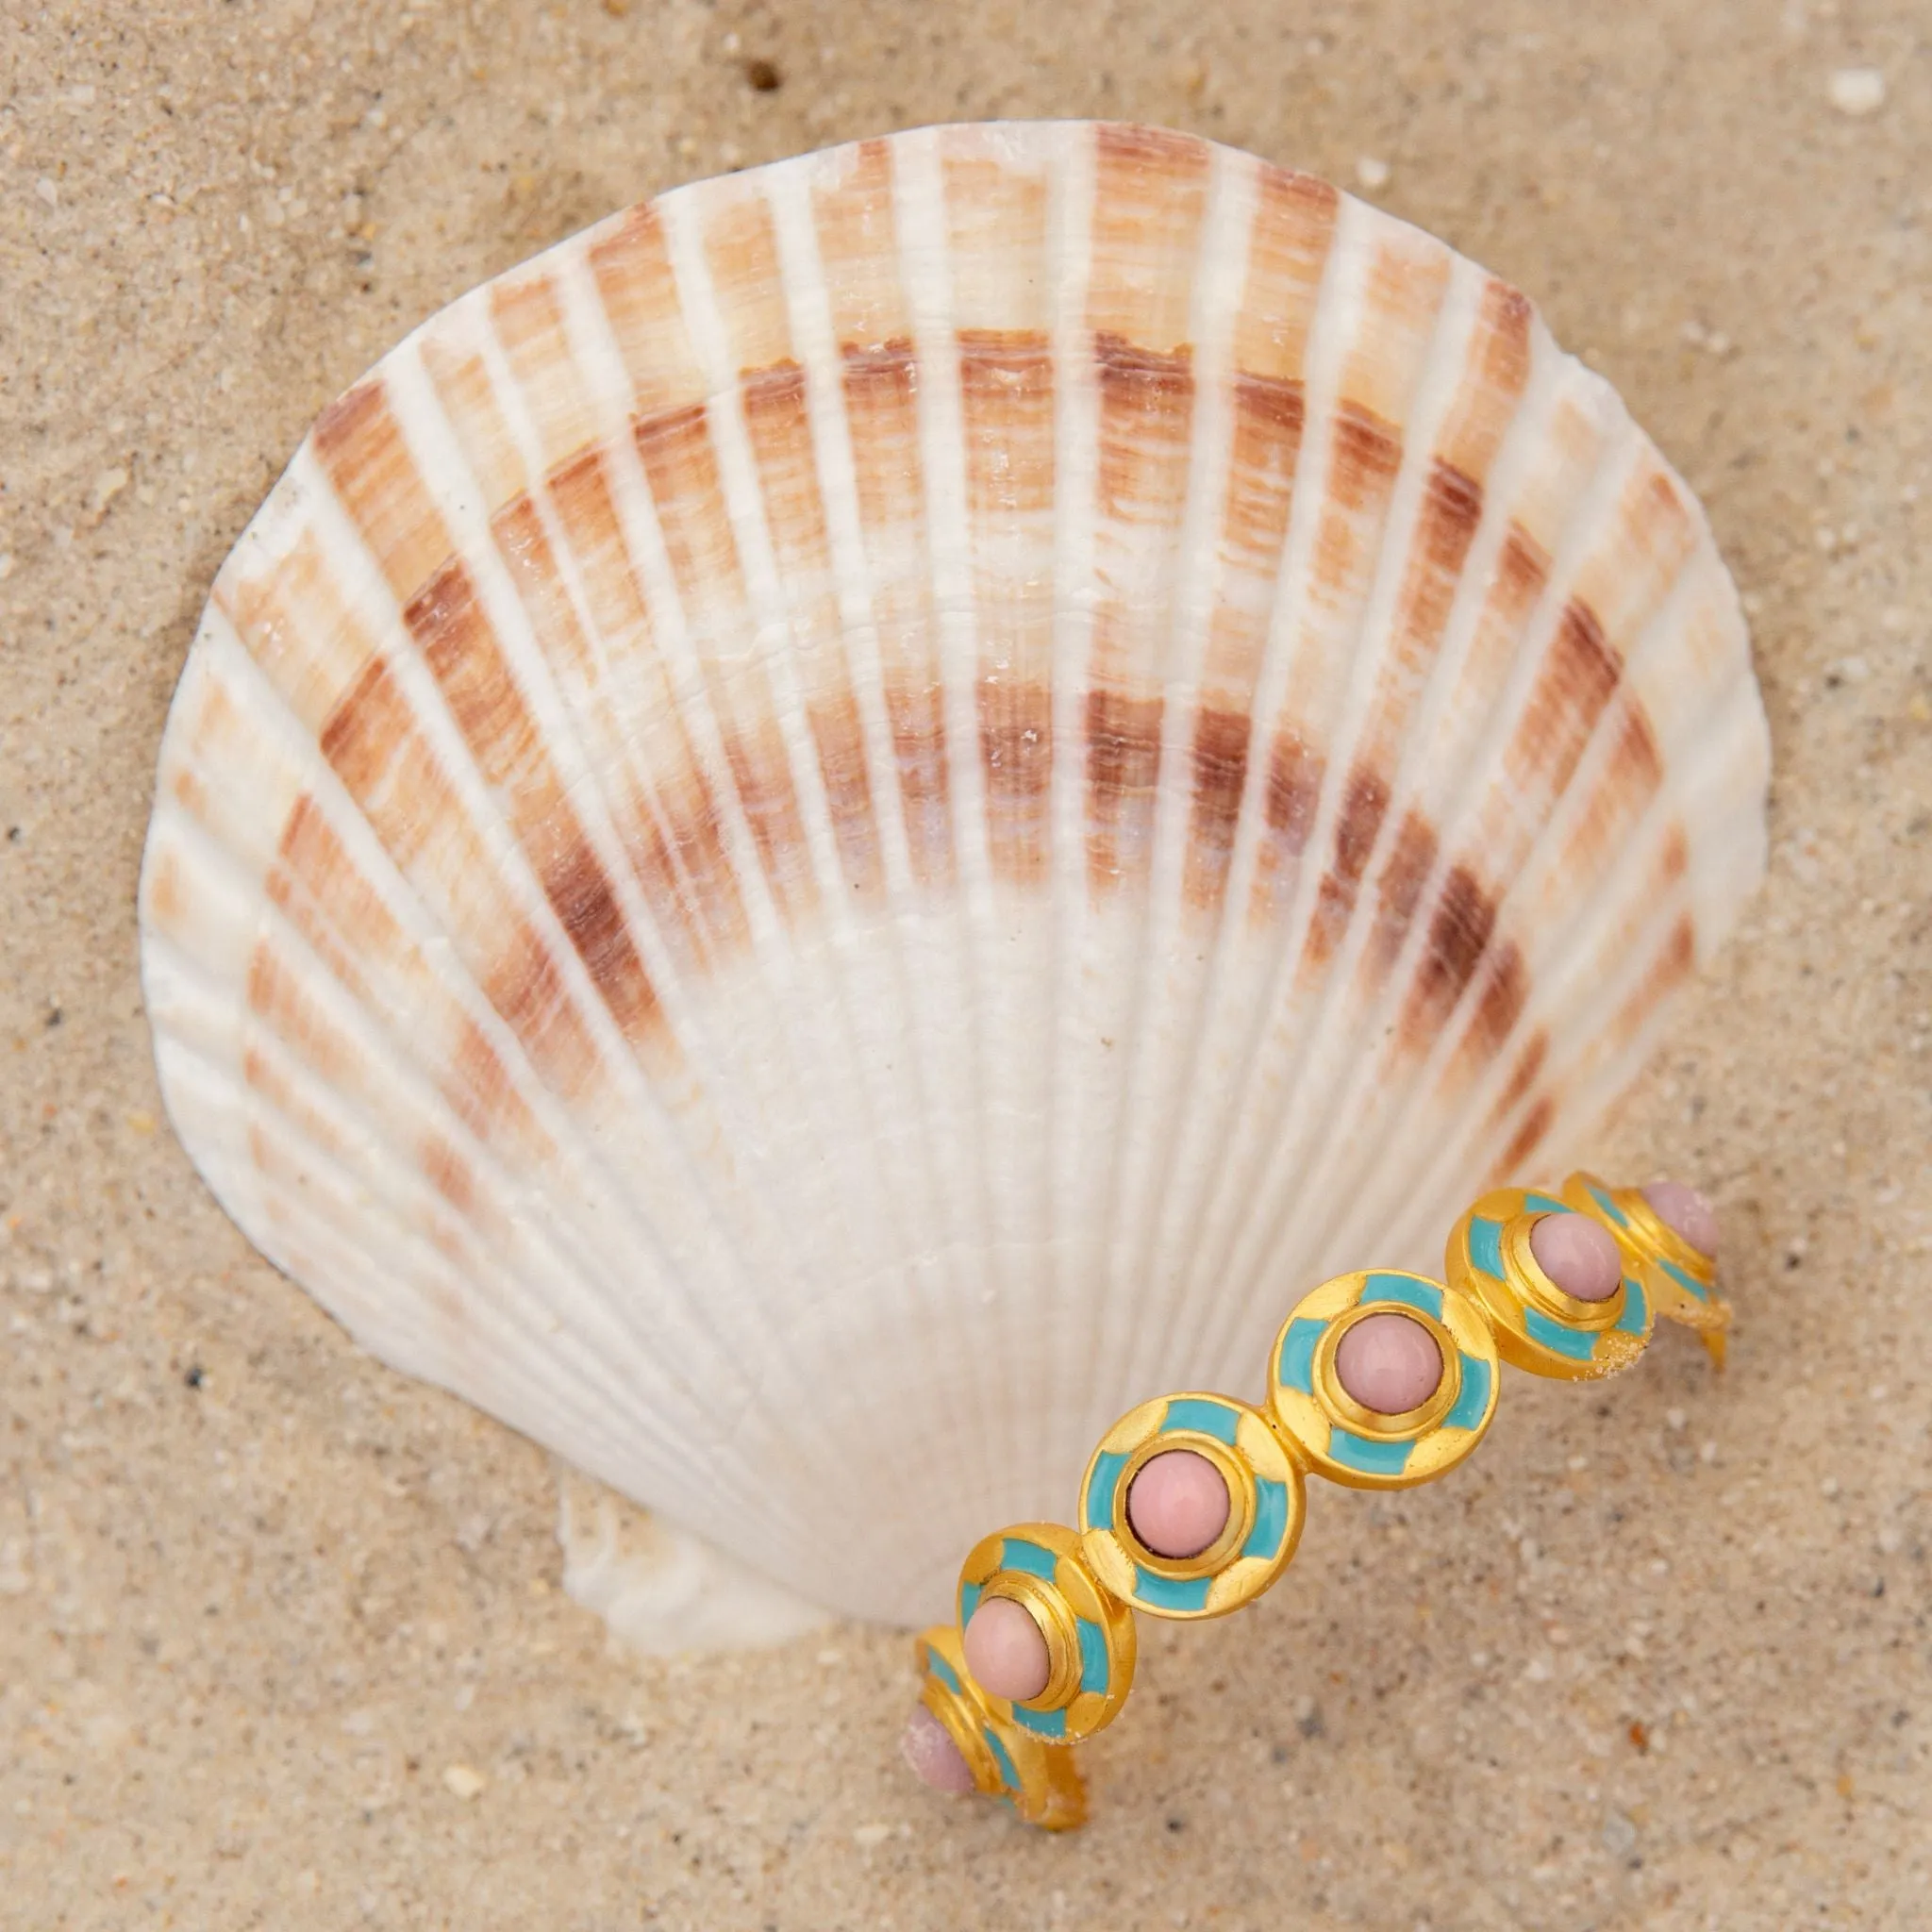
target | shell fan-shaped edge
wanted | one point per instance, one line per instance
(866, 814)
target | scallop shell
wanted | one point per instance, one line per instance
(864, 815)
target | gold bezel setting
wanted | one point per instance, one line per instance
(1041, 1781)
(1266, 1507)
(1681, 1280)
(1536, 1326)
(1089, 1629)
(1337, 1437)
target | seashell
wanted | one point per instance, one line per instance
(864, 815)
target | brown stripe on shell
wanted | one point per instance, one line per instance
(631, 265)
(293, 622)
(1495, 371)
(527, 314)
(1523, 1072)
(332, 1192)
(1264, 449)
(1573, 684)
(1626, 575)
(741, 244)
(278, 998)
(1219, 767)
(1289, 241)
(1399, 885)
(856, 221)
(1458, 934)
(1402, 286)
(1451, 509)
(1364, 802)
(323, 895)
(1672, 965)
(1266, 445)
(328, 900)
(652, 721)
(1002, 274)
(858, 255)
(1515, 586)
(1147, 420)
(375, 747)
(1497, 374)
(1631, 779)
(448, 1173)
(778, 423)
(464, 656)
(882, 421)
(1149, 194)
(1016, 749)
(1007, 389)
(1366, 456)
(302, 1193)
(360, 446)
(682, 470)
(1498, 1007)
(527, 554)
(164, 899)
(1293, 791)
(1146, 403)
(1122, 775)
(1528, 1138)
(260, 1076)
(471, 404)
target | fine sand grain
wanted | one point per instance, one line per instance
(282, 1640)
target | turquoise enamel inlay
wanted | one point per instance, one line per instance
(1608, 1206)
(1093, 1672)
(1425, 1295)
(944, 1672)
(1541, 1204)
(1485, 1246)
(1008, 1776)
(1372, 1459)
(1578, 1344)
(1271, 1519)
(968, 1601)
(1018, 1554)
(1170, 1592)
(1043, 1724)
(1473, 1397)
(1635, 1311)
(1096, 1511)
(1208, 1418)
(1297, 1366)
(1686, 1281)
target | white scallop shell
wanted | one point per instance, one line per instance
(867, 813)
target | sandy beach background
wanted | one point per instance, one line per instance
(282, 1637)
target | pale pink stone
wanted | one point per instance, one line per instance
(1682, 1208)
(928, 1748)
(1178, 1504)
(1006, 1651)
(1389, 1363)
(1579, 1255)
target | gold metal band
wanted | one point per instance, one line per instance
(1082, 1586)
